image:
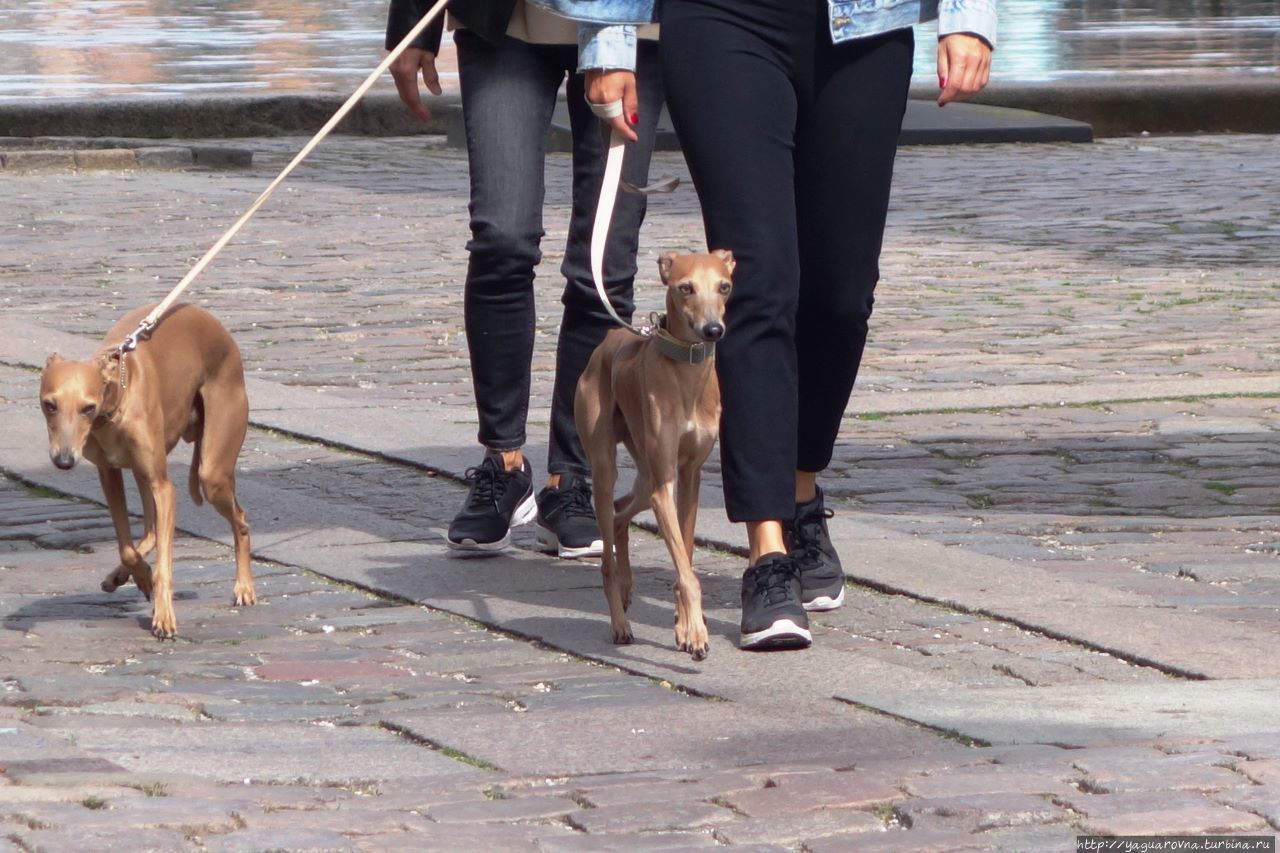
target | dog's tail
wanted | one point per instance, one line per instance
(195, 434)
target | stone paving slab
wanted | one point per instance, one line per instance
(1069, 427)
(1081, 715)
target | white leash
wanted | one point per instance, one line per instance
(149, 322)
(604, 210)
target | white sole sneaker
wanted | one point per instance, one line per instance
(549, 543)
(525, 512)
(783, 634)
(825, 602)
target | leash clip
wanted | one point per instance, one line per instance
(137, 336)
(129, 344)
(655, 323)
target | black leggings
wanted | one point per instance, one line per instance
(790, 142)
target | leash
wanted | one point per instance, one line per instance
(655, 329)
(148, 324)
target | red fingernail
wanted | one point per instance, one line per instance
(635, 118)
(942, 82)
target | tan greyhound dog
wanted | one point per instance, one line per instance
(660, 397)
(186, 381)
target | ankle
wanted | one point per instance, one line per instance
(512, 460)
(764, 538)
(553, 481)
(806, 486)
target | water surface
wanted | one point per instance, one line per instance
(166, 47)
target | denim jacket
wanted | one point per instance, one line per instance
(606, 32)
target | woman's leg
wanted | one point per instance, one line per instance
(585, 321)
(848, 135)
(730, 72)
(728, 69)
(508, 94)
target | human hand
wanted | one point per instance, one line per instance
(964, 66)
(604, 86)
(405, 72)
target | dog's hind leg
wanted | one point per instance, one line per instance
(194, 433)
(131, 562)
(148, 542)
(226, 418)
(625, 509)
(613, 561)
(592, 413)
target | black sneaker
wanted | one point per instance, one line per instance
(772, 617)
(498, 501)
(567, 519)
(821, 576)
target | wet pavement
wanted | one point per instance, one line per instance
(1055, 492)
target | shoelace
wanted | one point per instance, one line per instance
(772, 582)
(578, 501)
(806, 537)
(486, 486)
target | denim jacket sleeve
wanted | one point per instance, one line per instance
(968, 16)
(606, 29)
(606, 47)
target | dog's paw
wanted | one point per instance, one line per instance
(695, 641)
(245, 596)
(118, 578)
(623, 637)
(164, 628)
(698, 649)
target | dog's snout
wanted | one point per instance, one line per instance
(64, 459)
(713, 331)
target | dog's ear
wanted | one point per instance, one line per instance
(664, 266)
(726, 256)
(109, 370)
(53, 359)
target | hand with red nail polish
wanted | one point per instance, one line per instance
(964, 66)
(605, 86)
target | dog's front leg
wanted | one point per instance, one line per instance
(691, 628)
(131, 562)
(687, 505)
(164, 623)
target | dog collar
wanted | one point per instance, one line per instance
(678, 350)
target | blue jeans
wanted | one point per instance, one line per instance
(509, 91)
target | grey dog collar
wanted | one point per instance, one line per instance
(678, 350)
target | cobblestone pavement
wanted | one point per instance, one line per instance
(1072, 371)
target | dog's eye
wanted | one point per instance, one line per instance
(49, 407)
(89, 410)
(686, 289)
(725, 287)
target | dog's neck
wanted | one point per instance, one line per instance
(681, 351)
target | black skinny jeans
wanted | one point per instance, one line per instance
(790, 141)
(508, 94)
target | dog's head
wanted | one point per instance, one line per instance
(73, 396)
(697, 288)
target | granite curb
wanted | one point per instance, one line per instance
(80, 152)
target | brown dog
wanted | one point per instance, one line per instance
(659, 396)
(185, 381)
